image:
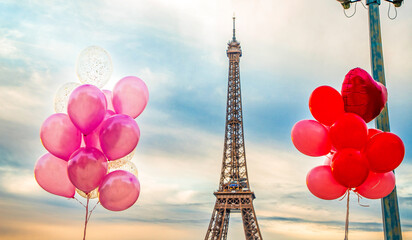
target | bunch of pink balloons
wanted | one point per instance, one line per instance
(357, 158)
(99, 127)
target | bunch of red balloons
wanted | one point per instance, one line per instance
(358, 158)
(99, 127)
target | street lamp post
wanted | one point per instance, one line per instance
(390, 210)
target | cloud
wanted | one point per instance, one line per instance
(361, 226)
(18, 181)
(7, 48)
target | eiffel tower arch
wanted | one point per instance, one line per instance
(234, 194)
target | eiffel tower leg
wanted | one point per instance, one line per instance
(219, 224)
(250, 224)
(225, 224)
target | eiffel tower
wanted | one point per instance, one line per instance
(234, 194)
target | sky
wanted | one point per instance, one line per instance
(178, 49)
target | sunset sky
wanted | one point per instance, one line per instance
(178, 48)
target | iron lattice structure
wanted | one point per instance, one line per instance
(234, 194)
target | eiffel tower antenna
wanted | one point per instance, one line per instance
(234, 28)
(234, 194)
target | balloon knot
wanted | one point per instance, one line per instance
(346, 194)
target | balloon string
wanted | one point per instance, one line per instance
(87, 218)
(90, 213)
(347, 216)
(346, 193)
(359, 198)
(79, 201)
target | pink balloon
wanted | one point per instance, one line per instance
(109, 96)
(59, 136)
(130, 96)
(87, 107)
(92, 139)
(321, 183)
(119, 190)
(377, 185)
(87, 168)
(311, 138)
(119, 135)
(51, 174)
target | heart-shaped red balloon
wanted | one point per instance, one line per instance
(362, 95)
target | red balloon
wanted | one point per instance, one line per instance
(326, 105)
(372, 132)
(321, 183)
(384, 152)
(311, 138)
(87, 168)
(349, 168)
(119, 190)
(377, 185)
(362, 95)
(349, 131)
